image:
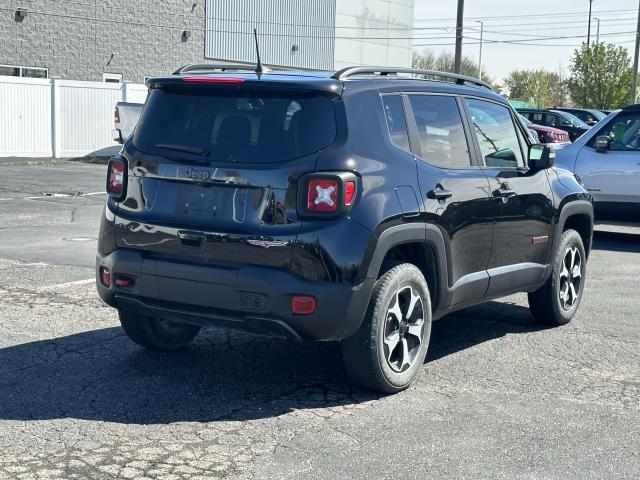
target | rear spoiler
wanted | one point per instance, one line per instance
(240, 81)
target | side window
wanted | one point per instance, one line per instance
(396, 121)
(623, 132)
(550, 119)
(496, 134)
(537, 118)
(440, 131)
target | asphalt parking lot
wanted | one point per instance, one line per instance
(500, 397)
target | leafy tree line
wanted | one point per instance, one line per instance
(600, 77)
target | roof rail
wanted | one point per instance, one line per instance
(208, 68)
(388, 71)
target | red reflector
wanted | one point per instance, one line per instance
(349, 192)
(124, 282)
(115, 177)
(105, 276)
(303, 305)
(204, 79)
(322, 195)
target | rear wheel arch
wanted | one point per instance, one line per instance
(419, 244)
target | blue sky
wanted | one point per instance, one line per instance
(528, 22)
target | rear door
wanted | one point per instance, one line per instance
(522, 200)
(455, 192)
(613, 177)
(213, 173)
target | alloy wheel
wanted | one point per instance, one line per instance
(404, 325)
(570, 278)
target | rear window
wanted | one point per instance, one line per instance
(247, 127)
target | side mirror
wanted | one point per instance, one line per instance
(541, 157)
(117, 136)
(602, 143)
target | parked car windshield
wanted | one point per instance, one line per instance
(233, 127)
(571, 118)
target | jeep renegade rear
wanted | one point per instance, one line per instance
(353, 207)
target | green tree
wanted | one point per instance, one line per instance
(543, 88)
(600, 76)
(445, 62)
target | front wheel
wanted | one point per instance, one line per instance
(388, 350)
(156, 333)
(556, 302)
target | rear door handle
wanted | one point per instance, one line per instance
(191, 239)
(439, 193)
(504, 192)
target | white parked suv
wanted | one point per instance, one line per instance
(607, 161)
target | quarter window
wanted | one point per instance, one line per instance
(440, 131)
(496, 133)
(396, 121)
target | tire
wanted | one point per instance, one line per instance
(369, 360)
(557, 301)
(154, 333)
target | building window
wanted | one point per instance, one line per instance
(31, 72)
(112, 77)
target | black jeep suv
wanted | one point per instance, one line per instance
(354, 206)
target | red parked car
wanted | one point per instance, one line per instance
(546, 134)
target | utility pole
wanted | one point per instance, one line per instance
(459, 21)
(597, 30)
(589, 31)
(634, 80)
(480, 55)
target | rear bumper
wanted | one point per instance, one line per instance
(255, 299)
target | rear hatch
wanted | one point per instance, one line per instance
(213, 167)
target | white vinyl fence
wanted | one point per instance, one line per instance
(59, 118)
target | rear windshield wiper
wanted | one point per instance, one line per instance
(184, 148)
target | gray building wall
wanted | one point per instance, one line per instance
(75, 39)
(292, 33)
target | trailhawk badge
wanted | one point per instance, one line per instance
(267, 243)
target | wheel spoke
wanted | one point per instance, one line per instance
(575, 272)
(574, 294)
(565, 272)
(564, 294)
(412, 303)
(415, 329)
(405, 354)
(395, 309)
(391, 341)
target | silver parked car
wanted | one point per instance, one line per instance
(607, 161)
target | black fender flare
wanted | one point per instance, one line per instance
(571, 208)
(428, 234)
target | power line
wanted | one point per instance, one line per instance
(526, 15)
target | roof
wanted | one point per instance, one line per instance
(351, 79)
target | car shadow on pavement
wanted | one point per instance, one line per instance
(473, 326)
(101, 375)
(616, 241)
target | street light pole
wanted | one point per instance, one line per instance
(459, 21)
(589, 31)
(634, 80)
(480, 55)
(597, 30)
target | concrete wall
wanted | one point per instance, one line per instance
(75, 38)
(373, 19)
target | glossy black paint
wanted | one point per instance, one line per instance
(257, 245)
